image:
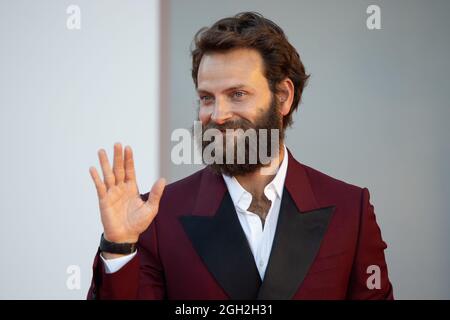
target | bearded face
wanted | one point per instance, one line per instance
(240, 114)
(239, 147)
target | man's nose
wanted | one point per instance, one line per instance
(221, 112)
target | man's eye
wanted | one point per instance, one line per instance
(238, 94)
(205, 98)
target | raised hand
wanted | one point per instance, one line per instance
(123, 213)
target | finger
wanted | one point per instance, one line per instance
(99, 185)
(118, 169)
(130, 174)
(108, 175)
(155, 194)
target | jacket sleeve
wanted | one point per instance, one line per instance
(369, 278)
(141, 278)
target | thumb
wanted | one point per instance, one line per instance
(156, 193)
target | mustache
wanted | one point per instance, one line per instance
(231, 124)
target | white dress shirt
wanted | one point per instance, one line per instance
(259, 238)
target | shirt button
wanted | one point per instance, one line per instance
(261, 263)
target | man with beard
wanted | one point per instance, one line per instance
(234, 230)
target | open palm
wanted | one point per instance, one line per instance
(123, 213)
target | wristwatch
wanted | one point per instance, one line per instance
(114, 247)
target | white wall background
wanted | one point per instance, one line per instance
(63, 95)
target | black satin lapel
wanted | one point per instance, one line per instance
(221, 243)
(296, 243)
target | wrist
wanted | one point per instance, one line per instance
(120, 238)
(116, 249)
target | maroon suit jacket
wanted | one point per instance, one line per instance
(325, 240)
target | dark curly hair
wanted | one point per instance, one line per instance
(251, 30)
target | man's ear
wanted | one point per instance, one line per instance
(285, 95)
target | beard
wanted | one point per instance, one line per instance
(251, 151)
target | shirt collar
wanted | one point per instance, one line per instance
(242, 198)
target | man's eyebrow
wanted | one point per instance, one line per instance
(234, 87)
